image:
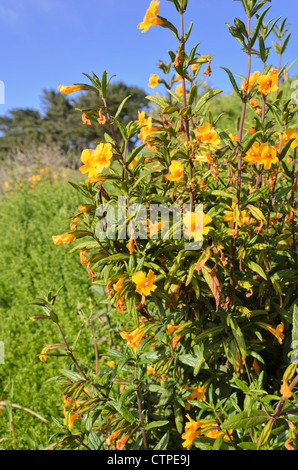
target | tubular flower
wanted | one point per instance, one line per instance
(196, 224)
(118, 285)
(268, 83)
(96, 160)
(67, 414)
(206, 135)
(252, 80)
(171, 329)
(69, 89)
(285, 391)
(179, 89)
(268, 156)
(215, 433)
(176, 171)
(112, 437)
(196, 394)
(153, 80)
(85, 120)
(191, 431)
(133, 339)
(147, 130)
(43, 354)
(130, 246)
(120, 443)
(151, 18)
(65, 238)
(253, 155)
(288, 135)
(145, 284)
(83, 258)
(229, 216)
(278, 332)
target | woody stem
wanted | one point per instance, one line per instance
(186, 121)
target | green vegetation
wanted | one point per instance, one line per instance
(29, 217)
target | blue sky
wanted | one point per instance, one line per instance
(45, 43)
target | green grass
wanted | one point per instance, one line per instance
(31, 263)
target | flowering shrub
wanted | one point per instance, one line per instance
(202, 313)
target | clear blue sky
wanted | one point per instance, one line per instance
(45, 43)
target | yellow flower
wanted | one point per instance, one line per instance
(285, 391)
(110, 363)
(268, 83)
(153, 80)
(65, 238)
(133, 164)
(147, 130)
(194, 67)
(145, 284)
(215, 433)
(253, 103)
(150, 18)
(268, 156)
(229, 216)
(196, 394)
(278, 332)
(96, 160)
(133, 339)
(179, 89)
(176, 171)
(233, 137)
(252, 80)
(171, 329)
(194, 227)
(43, 354)
(118, 285)
(288, 135)
(253, 154)
(69, 89)
(6, 184)
(206, 135)
(191, 431)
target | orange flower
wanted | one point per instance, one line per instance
(233, 137)
(268, 83)
(229, 216)
(133, 339)
(196, 394)
(118, 285)
(150, 18)
(278, 332)
(102, 119)
(86, 121)
(191, 431)
(253, 154)
(179, 89)
(120, 443)
(253, 103)
(65, 238)
(285, 391)
(147, 130)
(153, 80)
(96, 160)
(268, 156)
(83, 258)
(69, 89)
(112, 437)
(288, 135)
(6, 184)
(176, 171)
(206, 135)
(192, 221)
(252, 80)
(171, 329)
(251, 131)
(133, 164)
(43, 354)
(130, 246)
(145, 284)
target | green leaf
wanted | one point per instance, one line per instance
(204, 99)
(238, 335)
(244, 420)
(233, 82)
(178, 413)
(156, 424)
(163, 443)
(121, 106)
(256, 212)
(256, 268)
